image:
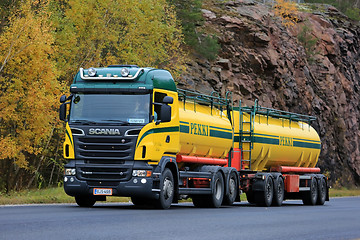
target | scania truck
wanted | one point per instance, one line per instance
(129, 131)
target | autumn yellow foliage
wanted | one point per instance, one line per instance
(145, 33)
(287, 11)
(43, 44)
(29, 84)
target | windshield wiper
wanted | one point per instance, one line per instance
(118, 121)
(86, 122)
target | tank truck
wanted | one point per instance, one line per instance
(129, 131)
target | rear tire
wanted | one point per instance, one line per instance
(265, 198)
(213, 200)
(279, 192)
(85, 201)
(216, 198)
(310, 197)
(233, 186)
(167, 190)
(322, 192)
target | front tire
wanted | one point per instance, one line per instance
(167, 190)
(85, 201)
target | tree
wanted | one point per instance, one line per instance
(148, 34)
(308, 41)
(29, 92)
(287, 11)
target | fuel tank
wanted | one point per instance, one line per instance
(268, 141)
(205, 131)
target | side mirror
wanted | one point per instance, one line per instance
(62, 112)
(165, 115)
(63, 98)
(168, 100)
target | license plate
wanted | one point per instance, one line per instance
(102, 191)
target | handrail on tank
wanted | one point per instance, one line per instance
(278, 113)
(211, 100)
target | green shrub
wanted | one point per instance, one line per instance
(189, 13)
(307, 40)
(208, 46)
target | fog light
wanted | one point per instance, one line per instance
(143, 181)
(92, 72)
(71, 179)
(65, 179)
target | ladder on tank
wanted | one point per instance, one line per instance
(246, 133)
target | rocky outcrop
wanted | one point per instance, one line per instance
(262, 59)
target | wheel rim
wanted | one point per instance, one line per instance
(168, 188)
(217, 189)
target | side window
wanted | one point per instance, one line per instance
(158, 98)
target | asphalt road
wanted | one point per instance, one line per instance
(337, 219)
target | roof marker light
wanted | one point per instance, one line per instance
(92, 72)
(125, 72)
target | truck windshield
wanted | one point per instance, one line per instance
(123, 109)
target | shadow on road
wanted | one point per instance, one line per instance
(183, 205)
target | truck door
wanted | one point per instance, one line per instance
(166, 134)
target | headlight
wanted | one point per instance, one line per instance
(125, 72)
(92, 72)
(70, 171)
(141, 173)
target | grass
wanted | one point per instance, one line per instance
(48, 195)
(344, 192)
(57, 195)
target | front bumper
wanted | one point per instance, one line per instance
(135, 187)
(103, 176)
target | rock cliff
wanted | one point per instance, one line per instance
(262, 59)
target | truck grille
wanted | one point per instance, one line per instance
(105, 148)
(101, 173)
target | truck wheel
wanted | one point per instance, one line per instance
(279, 192)
(230, 197)
(310, 197)
(216, 198)
(85, 201)
(264, 198)
(166, 191)
(322, 192)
